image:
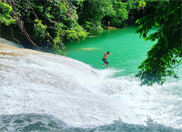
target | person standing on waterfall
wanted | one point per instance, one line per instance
(105, 58)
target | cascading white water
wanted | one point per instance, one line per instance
(36, 82)
(79, 95)
(10, 43)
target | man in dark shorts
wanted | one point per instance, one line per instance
(105, 57)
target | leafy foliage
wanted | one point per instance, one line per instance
(50, 22)
(91, 14)
(120, 13)
(5, 14)
(39, 28)
(166, 53)
(76, 34)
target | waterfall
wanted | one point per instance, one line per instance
(44, 86)
(37, 82)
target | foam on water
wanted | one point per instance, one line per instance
(10, 43)
(48, 123)
(36, 82)
(79, 95)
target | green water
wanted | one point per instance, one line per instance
(128, 50)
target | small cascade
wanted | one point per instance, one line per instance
(37, 82)
(41, 85)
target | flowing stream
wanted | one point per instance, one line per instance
(47, 92)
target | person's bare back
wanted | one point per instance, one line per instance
(105, 56)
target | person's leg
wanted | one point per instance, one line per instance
(107, 64)
(104, 62)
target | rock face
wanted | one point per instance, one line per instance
(37, 82)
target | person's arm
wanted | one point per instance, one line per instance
(110, 53)
(104, 53)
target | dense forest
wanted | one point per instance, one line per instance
(45, 23)
(51, 22)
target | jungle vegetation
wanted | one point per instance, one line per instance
(44, 23)
(166, 54)
(51, 22)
